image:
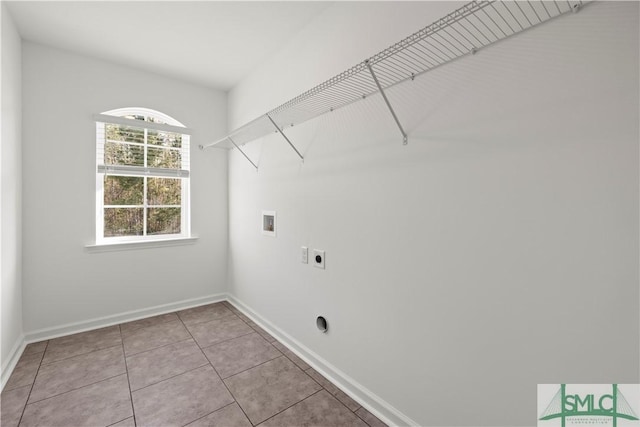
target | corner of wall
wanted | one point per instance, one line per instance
(12, 337)
(365, 397)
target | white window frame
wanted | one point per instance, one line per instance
(168, 124)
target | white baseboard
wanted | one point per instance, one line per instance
(99, 322)
(10, 363)
(127, 316)
(365, 397)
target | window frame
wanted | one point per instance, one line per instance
(163, 123)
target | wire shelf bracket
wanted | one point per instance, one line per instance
(285, 137)
(242, 152)
(405, 139)
(464, 31)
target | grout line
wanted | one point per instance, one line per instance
(160, 346)
(231, 313)
(145, 318)
(126, 368)
(337, 388)
(75, 389)
(260, 331)
(363, 420)
(221, 380)
(238, 312)
(312, 394)
(8, 387)
(334, 395)
(155, 348)
(26, 402)
(283, 355)
(81, 354)
(293, 361)
(248, 369)
(169, 378)
(219, 409)
(134, 421)
(134, 331)
(225, 340)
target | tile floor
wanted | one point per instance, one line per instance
(205, 366)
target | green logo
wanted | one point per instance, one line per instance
(585, 403)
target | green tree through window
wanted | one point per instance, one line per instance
(143, 179)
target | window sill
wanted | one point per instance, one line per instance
(127, 246)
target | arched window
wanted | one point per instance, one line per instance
(142, 176)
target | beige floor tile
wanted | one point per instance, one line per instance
(319, 410)
(85, 342)
(369, 418)
(78, 371)
(267, 389)
(181, 399)
(229, 416)
(154, 336)
(325, 383)
(291, 355)
(127, 328)
(215, 331)
(129, 422)
(204, 313)
(264, 334)
(239, 354)
(12, 403)
(99, 404)
(334, 390)
(25, 371)
(36, 347)
(347, 401)
(155, 365)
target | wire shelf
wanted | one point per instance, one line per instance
(466, 30)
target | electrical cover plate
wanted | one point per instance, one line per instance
(318, 258)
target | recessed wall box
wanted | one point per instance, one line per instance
(268, 223)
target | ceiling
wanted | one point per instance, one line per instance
(213, 43)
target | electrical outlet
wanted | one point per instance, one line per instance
(304, 255)
(318, 258)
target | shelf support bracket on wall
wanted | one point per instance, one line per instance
(284, 136)
(405, 139)
(242, 152)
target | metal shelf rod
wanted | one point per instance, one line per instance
(386, 100)
(243, 153)
(285, 137)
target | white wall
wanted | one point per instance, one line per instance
(11, 203)
(496, 251)
(63, 283)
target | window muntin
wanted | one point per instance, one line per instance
(143, 179)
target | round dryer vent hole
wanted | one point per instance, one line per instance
(321, 323)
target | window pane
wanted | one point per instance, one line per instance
(123, 190)
(123, 222)
(124, 133)
(123, 154)
(165, 139)
(164, 191)
(163, 221)
(163, 158)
